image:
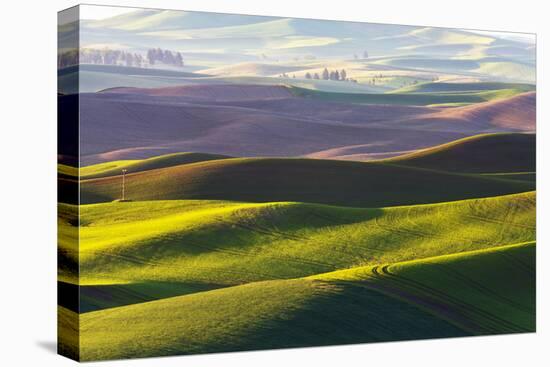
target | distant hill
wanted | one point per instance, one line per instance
(517, 112)
(261, 126)
(212, 93)
(93, 78)
(259, 120)
(406, 98)
(124, 70)
(442, 87)
(251, 69)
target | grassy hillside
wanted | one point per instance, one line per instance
(93, 78)
(219, 243)
(125, 70)
(329, 309)
(114, 168)
(441, 87)
(485, 291)
(487, 153)
(407, 98)
(306, 180)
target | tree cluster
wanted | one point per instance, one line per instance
(157, 55)
(341, 75)
(119, 57)
(110, 57)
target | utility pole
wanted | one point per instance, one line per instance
(123, 182)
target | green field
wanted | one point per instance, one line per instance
(213, 253)
(436, 297)
(355, 184)
(416, 96)
(113, 168)
(215, 242)
(442, 87)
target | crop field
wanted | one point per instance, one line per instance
(287, 272)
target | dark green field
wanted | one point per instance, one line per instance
(504, 153)
(355, 184)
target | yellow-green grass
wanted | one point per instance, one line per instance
(67, 239)
(68, 333)
(114, 168)
(226, 243)
(473, 293)
(346, 183)
(66, 170)
(504, 153)
(484, 291)
(272, 314)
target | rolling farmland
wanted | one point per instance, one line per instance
(243, 183)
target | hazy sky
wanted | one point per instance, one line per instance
(98, 12)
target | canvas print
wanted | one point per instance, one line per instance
(236, 182)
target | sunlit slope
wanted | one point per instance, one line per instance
(487, 153)
(355, 184)
(436, 297)
(114, 168)
(217, 243)
(485, 291)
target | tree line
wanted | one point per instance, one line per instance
(156, 55)
(341, 75)
(119, 57)
(110, 57)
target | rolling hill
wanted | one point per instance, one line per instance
(93, 78)
(517, 112)
(329, 308)
(114, 168)
(217, 243)
(267, 121)
(488, 153)
(212, 93)
(442, 87)
(409, 99)
(307, 180)
(262, 127)
(251, 69)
